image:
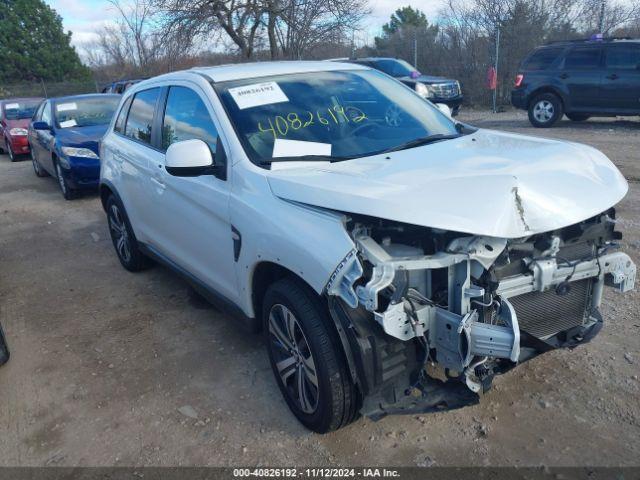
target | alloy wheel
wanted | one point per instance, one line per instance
(293, 358)
(61, 182)
(543, 111)
(119, 234)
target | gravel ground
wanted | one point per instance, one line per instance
(112, 368)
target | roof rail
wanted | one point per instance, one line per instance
(593, 39)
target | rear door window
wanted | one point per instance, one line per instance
(623, 57)
(542, 59)
(139, 123)
(583, 59)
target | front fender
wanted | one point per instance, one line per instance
(308, 241)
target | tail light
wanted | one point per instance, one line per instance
(519, 79)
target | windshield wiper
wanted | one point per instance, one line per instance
(306, 158)
(418, 142)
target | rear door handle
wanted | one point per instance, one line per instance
(564, 75)
(613, 76)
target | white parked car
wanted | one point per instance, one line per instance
(395, 259)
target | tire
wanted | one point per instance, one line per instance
(39, 171)
(578, 117)
(545, 110)
(123, 239)
(291, 310)
(4, 348)
(67, 192)
(12, 156)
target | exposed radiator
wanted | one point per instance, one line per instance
(546, 313)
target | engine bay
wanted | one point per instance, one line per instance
(474, 306)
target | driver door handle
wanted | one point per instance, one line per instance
(158, 183)
(564, 75)
(613, 76)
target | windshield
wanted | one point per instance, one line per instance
(337, 114)
(21, 109)
(85, 112)
(395, 68)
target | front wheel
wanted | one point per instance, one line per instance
(12, 156)
(545, 110)
(39, 171)
(4, 348)
(67, 192)
(306, 357)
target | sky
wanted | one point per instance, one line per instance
(85, 17)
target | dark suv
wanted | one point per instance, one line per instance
(435, 89)
(579, 79)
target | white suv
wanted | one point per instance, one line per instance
(396, 260)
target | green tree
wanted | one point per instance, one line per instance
(408, 30)
(34, 46)
(405, 17)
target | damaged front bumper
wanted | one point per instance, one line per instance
(472, 332)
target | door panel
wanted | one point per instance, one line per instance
(135, 155)
(191, 214)
(582, 76)
(44, 141)
(621, 83)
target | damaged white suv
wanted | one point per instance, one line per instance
(396, 260)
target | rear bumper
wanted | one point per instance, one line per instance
(519, 99)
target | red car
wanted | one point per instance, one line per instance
(15, 115)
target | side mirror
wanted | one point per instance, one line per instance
(444, 109)
(40, 126)
(189, 158)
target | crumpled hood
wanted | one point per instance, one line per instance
(85, 137)
(487, 183)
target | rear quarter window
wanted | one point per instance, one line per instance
(542, 59)
(623, 57)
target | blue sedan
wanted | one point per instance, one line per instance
(64, 135)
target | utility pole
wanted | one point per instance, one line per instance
(603, 6)
(415, 49)
(495, 90)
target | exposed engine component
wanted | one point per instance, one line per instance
(472, 303)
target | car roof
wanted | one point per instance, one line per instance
(18, 99)
(238, 71)
(86, 95)
(605, 41)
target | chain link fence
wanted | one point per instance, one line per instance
(48, 89)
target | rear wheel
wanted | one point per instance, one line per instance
(306, 358)
(123, 238)
(578, 117)
(545, 110)
(67, 192)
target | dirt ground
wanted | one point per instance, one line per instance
(109, 367)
